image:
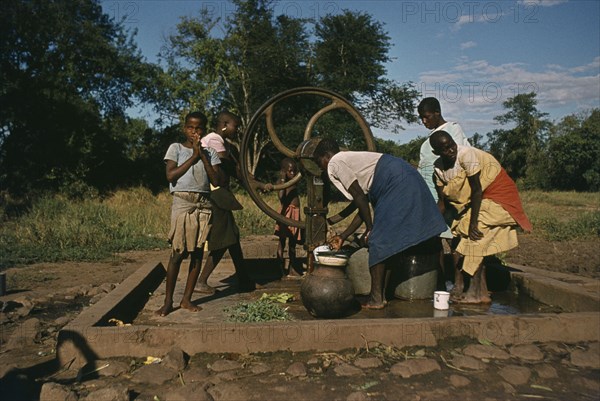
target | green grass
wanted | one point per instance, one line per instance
(57, 229)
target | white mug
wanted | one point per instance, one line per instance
(440, 300)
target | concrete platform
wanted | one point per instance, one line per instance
(568, 311)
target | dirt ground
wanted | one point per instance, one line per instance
(59, 291)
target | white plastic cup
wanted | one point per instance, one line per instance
(441, 313)
(440, 300)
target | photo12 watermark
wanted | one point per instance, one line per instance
(475, 92)
(461, 12)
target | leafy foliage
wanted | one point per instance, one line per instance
(66, 71)
(262, 310)
(517, 148)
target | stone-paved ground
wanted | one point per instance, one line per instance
(30, 320)
(460, 369)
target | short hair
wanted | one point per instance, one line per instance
(429, 104)
(288, 161)
(226, 115)
(326, 146)
(435, 138)
(197, 115)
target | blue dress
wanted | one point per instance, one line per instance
(405, 213)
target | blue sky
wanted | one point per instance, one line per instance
(472, 55)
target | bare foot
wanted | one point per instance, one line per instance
(370, 305)
(165, 310)
(456, 293)
(189, 306)
(205, 289)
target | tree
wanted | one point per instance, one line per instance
(350, 55)
(258, 55)
(518, 149)
(65, 69)
(574, 153)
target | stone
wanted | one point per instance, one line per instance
(228, 392)
(107, 287)
(54, 391)
(345, 370)
(105, 368)
(152, 374)
(585, 359)
(467, 362)
(114, 392)
(23, 306)
(481, 351)
(193, 391)
(515, 375)
(175, 359)
(414, 367)
(527, 352)
(259, 368)
(62, 321)
(227, 376)
(368, 363)
(25, 335)
(546, 371)
(221, 365)
(195, 374)
(296, 369)
(357, 396)
(556, 348)
(459, 381)
(96, 298)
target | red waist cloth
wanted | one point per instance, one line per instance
(504, 192)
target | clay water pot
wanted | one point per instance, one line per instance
(328, 293)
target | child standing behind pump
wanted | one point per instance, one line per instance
(290, 208)
(190, 170)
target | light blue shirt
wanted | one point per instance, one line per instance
(196, 178)
(427, 157)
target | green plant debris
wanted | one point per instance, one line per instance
(262, 310)
(282, 297)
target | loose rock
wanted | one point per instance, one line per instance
(459, 381)
(585, 359)
(296, 369)
(414, 367)
(176, 359)
(515, 375)
(481, 351)
(527, 352)
(54, 391)
(221, 365)
(110, 393)
(467, 362)
(347, 370)
(368, 363)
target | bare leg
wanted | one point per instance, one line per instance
(477, 292)
(172, 272)
(376, 297)
(294, 269)
(190, 284)
(280, 259)
(459, 283)
(214, 257)
(245, 282)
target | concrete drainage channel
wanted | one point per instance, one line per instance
(89, 336)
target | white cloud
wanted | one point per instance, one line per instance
(541, 3)
(467, 45)
(473, 92)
